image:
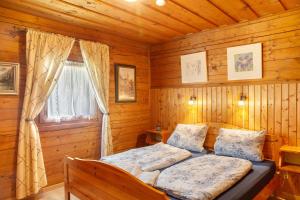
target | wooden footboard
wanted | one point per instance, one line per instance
(95, 180)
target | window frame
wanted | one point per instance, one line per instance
(46, 124)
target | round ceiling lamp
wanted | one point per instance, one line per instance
(160, 2)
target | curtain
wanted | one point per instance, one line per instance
(96, 59)
(73, 96)
(45, 54)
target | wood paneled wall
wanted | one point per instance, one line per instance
(127, 120)
(274, 107)
(273, 103)
(279, 35)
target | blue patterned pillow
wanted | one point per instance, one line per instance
(240, 143)
(188, 136)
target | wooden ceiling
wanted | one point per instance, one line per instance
(145, 21)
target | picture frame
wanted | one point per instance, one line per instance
(9, 78)
(125, 82)
(245, 62)
(193, 68)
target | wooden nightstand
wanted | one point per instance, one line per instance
(154, 136)
(286, 166)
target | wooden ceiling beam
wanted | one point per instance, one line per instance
(179, 13)
(55, 15)
(146, 22)
(193, 12)
(265, 7)
(124, 16)
(289, 4)
(148, 13)
(205, 9)
(257, 15)
(238, 9)
(223, 11)
(24, 20)
(113, 24)
(283, 6)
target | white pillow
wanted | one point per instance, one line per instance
(238, 143)
(189, 137)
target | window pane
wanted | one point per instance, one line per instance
(73, 96)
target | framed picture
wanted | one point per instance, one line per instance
(9, 78)
(193, 68)
(245, 62)
(125, 83)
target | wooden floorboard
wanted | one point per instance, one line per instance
(55, 194)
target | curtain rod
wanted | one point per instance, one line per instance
(21, 29)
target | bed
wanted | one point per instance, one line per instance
(252, 185)
(88, 179)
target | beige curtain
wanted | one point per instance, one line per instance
(45, 54)
(96, 58)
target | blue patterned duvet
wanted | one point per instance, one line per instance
(202, 178)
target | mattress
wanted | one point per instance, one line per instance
(249, 186)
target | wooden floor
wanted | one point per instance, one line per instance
(55, 194)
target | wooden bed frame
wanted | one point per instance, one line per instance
(96, 180)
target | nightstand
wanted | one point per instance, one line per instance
(154, 136)
(285, 165)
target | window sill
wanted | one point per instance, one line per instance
(45, 126)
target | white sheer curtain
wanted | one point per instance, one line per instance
(73, 95)
(96, 59)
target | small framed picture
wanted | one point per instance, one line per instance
(9, 78)
(245, 62)
(193, 68)
(125, 80)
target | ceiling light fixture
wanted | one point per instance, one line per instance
(160, 2)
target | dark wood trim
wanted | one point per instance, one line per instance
(157, 34)
(223, 11)
(204, 18)
(177, 19)
(282, 4)
(117, 66)
(97, 26)
(137, 16)
(257, 15)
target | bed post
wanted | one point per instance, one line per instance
(66, 179)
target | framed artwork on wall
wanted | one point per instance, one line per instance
(193, 68)
(245, 62)
(9, 78)
(125, 80)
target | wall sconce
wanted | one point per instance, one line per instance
(242, 100)
(192, 100)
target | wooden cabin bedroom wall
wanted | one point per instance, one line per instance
(128, 121)
(273, 103)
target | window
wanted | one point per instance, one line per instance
(73, 96)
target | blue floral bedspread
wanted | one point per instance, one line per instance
(202, 178)
(145, 162)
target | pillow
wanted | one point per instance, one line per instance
(189, 137)
(240, 143)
